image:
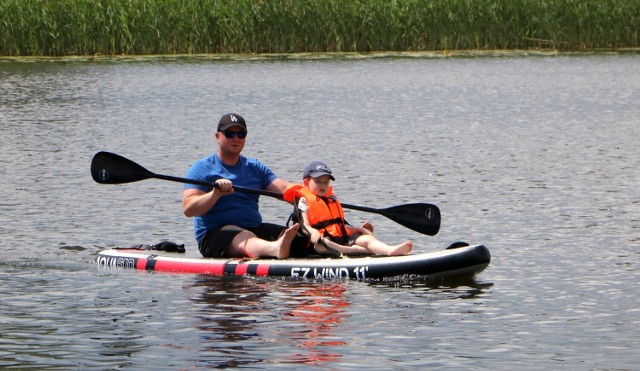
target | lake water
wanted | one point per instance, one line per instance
(535, 156)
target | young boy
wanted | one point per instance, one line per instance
(322, 217)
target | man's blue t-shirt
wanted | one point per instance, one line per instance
(238, 208)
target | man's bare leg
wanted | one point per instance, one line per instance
(246, 243)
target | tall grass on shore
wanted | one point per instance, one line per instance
(114, 27)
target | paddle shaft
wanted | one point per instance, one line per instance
(253, 191)
(110, 168)
(257, 192)
(427, 221)
(207, 184)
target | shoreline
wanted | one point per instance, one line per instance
(498, 53)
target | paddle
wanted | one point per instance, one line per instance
(110, 168)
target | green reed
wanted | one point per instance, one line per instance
(114, 27)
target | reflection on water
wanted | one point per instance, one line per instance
(318, 311)
(227, 312)
(235, 313)
(309, 321)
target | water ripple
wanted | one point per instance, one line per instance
(536, 157)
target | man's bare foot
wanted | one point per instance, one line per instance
(368, 226)
(283, 244)
(402, 249)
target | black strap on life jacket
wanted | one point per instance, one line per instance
(325, 223)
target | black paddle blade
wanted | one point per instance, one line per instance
(109, 168)
(420, 217)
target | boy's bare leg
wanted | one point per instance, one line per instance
(380, 248)
(355, 249)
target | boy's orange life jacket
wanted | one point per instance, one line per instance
(325, 213)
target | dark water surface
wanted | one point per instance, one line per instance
(537, 157)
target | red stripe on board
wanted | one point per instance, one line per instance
(216, 269)
(141, 263)
(241, 269)
(262, 270)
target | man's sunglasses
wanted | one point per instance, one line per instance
(231, 133)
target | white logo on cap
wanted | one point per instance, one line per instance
(233, 118)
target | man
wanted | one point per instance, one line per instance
(228, 223)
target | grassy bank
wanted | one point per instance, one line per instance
(87, 27)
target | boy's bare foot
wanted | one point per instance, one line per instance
(283, 244)
(402, 249)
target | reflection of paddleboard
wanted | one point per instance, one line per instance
(461, 262)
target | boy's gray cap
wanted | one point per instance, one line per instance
(317, 169)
